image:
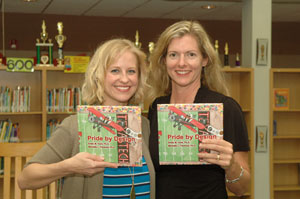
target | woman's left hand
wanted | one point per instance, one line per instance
(224, 155)
(231, 162)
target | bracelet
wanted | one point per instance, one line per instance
(237, 179)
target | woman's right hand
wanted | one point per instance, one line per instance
(87, 164)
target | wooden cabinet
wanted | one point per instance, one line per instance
(285, 136)
(241, 88)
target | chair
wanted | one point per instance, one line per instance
(15, 155)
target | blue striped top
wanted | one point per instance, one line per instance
(117, 183)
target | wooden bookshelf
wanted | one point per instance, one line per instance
(285, 142)
(33, 124)
(241, 87)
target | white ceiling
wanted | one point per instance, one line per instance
(282, 10)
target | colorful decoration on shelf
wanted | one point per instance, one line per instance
(60, 39)
(44, 48)
(281, 98)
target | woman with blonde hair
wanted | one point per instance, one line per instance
(115, 77)
(185, 69)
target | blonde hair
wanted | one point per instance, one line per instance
(212, 75)
(104, 56)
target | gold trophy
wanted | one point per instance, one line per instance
(151, 47)
(60, 39)
(44, 59)
(217, 46)
(137, 38)
(237, 60)
(44, 34)
(226, 55)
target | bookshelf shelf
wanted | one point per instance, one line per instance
(20, 113)
(286, 161)
(290, 110)
(287, 188)
(285, 140)
(236, 69)
(61, 113)
(287, 136)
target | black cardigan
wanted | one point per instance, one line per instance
(197, 181)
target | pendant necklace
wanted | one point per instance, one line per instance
(132, 191)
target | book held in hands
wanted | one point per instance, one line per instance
(182, 127)
(113, 132)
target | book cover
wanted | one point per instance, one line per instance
(281, 98)
(182, 127)
(113, 132)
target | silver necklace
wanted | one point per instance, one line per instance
(132, 191)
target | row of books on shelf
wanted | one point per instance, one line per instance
(15, 100)
(63, 99)
(9, 131)
(51, 126)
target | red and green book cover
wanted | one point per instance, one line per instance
(182, 127)
(113, 132)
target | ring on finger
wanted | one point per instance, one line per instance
(218, 157)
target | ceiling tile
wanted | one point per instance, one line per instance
(115, 8)
(156, 8)
(70, 7)
(282, 10)
(223, 11)
(19, 6)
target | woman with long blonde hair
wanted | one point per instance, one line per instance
(185, 69)
(115, 77)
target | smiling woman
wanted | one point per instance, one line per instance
(115, 76)
(121, 80)
(185, 69)
(121, 69)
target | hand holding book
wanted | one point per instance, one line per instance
(224, 154)
(87, 164)
(182, 127)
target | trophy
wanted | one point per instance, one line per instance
(137, 42)
(237, 60)
(60, 39)
(43, 43)
(226, 55)
(262, 54)
(217, 46)
(151, 47)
